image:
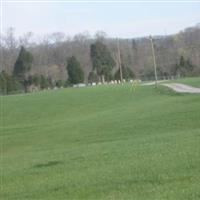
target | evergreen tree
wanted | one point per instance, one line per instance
(184, 67)
(36, 80)
(59, 83)
(3, 83)
(44, 82)
(22, 66)
(74, 70)
(127, 73)
(8, 84)
(102, 60)
(23, 63)
(93, 77)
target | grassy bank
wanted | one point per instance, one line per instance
(104, 142)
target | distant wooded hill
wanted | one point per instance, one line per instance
(51, 53)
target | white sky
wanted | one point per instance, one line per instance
(125, 20)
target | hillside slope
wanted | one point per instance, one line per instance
(104, 142)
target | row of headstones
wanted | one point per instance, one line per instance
(119, 82)
(112, 82)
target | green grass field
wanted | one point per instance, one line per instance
(104, 142)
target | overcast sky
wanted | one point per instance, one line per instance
(116, 19)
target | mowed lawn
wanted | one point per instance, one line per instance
(104, 142)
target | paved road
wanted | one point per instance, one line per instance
(178, 87)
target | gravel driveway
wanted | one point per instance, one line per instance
(178, 87)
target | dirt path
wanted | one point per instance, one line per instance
(178, 87)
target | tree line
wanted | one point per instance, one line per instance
(57, 60)
(21, 80)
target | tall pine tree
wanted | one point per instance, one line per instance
(102, 60)
(74, 70)
(23, 65)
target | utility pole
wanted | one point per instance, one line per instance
(119, 60)
(154, 60)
